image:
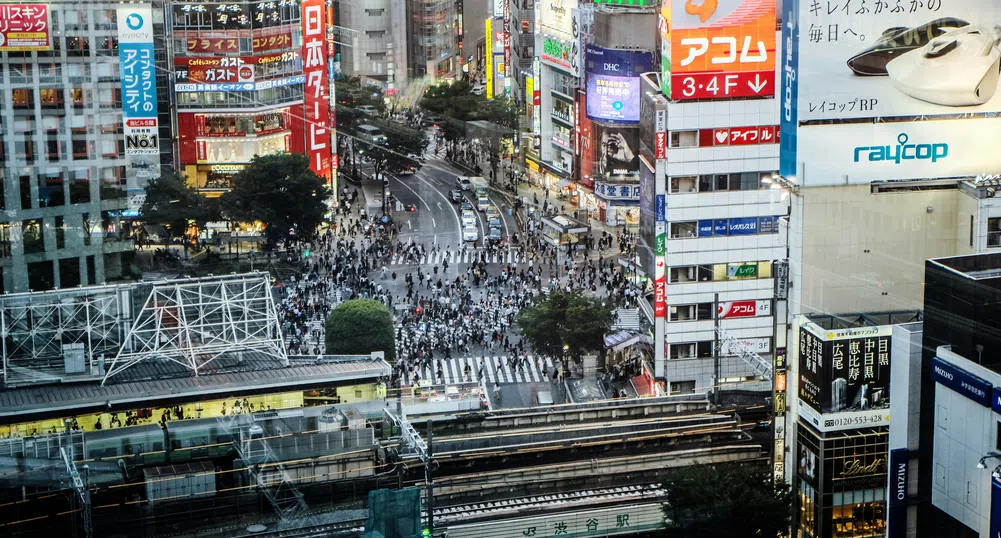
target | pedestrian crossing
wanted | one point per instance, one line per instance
(503, 256)
(494, 370)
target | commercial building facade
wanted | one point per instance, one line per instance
(433, 39)
(84, 108)
(375, 41)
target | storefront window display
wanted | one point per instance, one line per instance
(243, 124)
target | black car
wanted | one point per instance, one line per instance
(466, 206)
(455, 195)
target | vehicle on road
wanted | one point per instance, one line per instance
(463, 183)
(492, 212)
(470, 233)
(371, 133)
(368, 110)
(478, 90)
(495, 236)
(455, 195)
(480, 186)
(482, 203)
(468, 219)
(494, 222)
(466, 206)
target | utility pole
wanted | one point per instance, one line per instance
(716, 343)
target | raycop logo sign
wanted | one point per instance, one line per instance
(903, 151)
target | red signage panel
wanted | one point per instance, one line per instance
(269, 39)
(316, 103)
(24, 27)
(739, 136)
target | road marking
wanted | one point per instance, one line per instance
(409, 225)
(458, 223)
(419, 197)
(439, 205)
(435, 224)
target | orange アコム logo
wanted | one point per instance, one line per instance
(703, 10)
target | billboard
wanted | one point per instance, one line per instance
(138, 79)
(562, 54)
(618, 151)
(844, 376)
(744, 309)
(719, 49)
(613, 84)
(887, 60)
(489, 58)
(865, 152)
(316, 103)
(664, 29)
(24, 27)
(554, 17)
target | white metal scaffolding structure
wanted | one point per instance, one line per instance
(761, 366)
(35, 327)
(195, 321)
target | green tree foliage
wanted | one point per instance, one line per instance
(563, 319)
(401, 141)
(359, 327)
(280, 191)
(732, 500)
(351, 94)
(175, 205)
(455, 101)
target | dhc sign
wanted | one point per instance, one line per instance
(903, 151)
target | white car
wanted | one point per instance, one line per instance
(464, 183)
(478, 90)
(470, 233)
(468, 219)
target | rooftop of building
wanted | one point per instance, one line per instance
(152, 380)
(854, 320)
(975, 267)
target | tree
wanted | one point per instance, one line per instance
(281, 192)
(393, 154)
(359, 327)
(729, 499)
(175, 205)
(566, 325)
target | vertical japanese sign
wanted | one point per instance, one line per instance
(507, 48)
(316, 104)
(24, 27)
(721, 51)
(789, 97)
(489, 59)
(139, 108)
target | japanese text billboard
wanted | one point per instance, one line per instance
(24, 27)
(844, 376)
(138, 74)
(554, 17)
(613, 84)
(719, 49)
(561, 53)
(316, 103)
(885, 59)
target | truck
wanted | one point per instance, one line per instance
(480, 186)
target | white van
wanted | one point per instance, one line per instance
(371, 133)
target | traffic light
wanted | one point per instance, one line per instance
(426, 533)
(307, 253)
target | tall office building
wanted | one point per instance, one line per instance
(83, 108)
(432, 38)
(373, 43)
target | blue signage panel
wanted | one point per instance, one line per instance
(995, 508)
(897, 512)
(138, 80)
(788, 96)
(743, 226)
(961, 381)
(613, 83)
(996, 400)
(705, 228)
(719, 227)
(661, 208)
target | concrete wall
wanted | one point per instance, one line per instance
(864, 252)
(616, 27)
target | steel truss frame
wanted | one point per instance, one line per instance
(193, 322)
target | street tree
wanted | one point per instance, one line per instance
(359, 327)
(729, 499)
(566, 325)
(174, 205)
(393, 154)
(282, 193)
(352, 94)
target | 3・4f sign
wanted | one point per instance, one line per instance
(722, 50)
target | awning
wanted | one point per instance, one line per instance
(621, 340)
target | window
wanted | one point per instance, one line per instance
(22, 98)
(994, 232)
(997, 438)
(684, 184)
(684, 139)
(683, 387)
(680, 230)
(691, 312)
(691, 273)
(374, 12)
(375, 33)
(31, 234)
(691, 350)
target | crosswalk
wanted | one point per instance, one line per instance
(495, 370)
(504, 256)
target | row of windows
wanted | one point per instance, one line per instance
(704, 349)
(744, 181)
(704, 311)
(738, 226)
(721, 272)
(241, 99)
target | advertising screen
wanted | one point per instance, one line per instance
(618, 151)
(613, 84)
(24, 27)
(886, 60)
(866, 152)
(720, 49)
(844, 376)
(316, 104)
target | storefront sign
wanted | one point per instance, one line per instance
(555, 17)
(661, 208)
(738, 226)
(742, 271)
(561, 54)
(317, 105)
(897, 509)
(973, 387)
(138, 79)
(731, 56)
(660, 289)
(216, 42)
(744, 309)
(271, 39)
(780, 270)
(609, 191)
(753, 345)
(739, 136)
(24, 27)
